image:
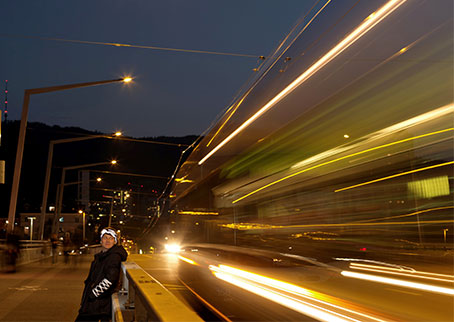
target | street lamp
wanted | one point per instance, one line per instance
(61, 187)
(31, 226)
(83, 225)
(22, 130)
(49, 169)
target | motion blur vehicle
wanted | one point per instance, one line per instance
(325, 191)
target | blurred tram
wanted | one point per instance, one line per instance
(325, 191)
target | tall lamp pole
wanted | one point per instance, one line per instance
(22, 130)
(62, 187)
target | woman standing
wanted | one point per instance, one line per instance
(102, 279)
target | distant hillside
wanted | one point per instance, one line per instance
(149, 159)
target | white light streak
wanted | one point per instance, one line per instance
(392, 281)
(281, 292)
(397, 271)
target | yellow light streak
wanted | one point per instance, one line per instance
(249, 226)
(348, 224)
(341, 158)
(198, 213)
(187, 260)
(183, 180)
(406, 215)
(211, 307)
(356, 34)
(393, 281)
(228, 118)
(395, 176)
(395, 128)
(396, 271)
(287, 294)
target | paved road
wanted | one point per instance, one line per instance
(43, 291)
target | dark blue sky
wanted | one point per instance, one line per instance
(174, 94)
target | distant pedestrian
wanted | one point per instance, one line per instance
(67, 247)
(12, 251)
(102, 279)
(54, 244)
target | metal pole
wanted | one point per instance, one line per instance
(83, 227)
(31, 227)
(60, 200)
(111, 211)
(46, 189)
(18, 163)
(54, 221)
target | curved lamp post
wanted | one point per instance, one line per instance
(116, 135)
(62, 184)
(23, 126)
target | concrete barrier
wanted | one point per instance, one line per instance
(143, 298)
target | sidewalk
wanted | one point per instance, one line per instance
(43, 291)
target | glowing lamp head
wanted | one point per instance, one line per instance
(99, 179)
(127, 79)
(118, 133)
(113, 162)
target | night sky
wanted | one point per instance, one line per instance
(173, 94)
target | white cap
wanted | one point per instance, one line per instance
(110, 232)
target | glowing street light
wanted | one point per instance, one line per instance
(22, 130)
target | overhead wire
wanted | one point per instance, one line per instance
(239, 97)
(129, 45)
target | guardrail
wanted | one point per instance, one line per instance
(34, 250)
(143, 298)
(29, 251)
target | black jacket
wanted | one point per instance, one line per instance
(102, 281)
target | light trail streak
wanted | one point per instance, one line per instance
(243, 226)
(187, 260)
(198, 213)
(396, 271)
(406, 215)
(278, 291)
(211, 307)
(395, 128)
(341, 158)
(356, 34)
(235, 107)
(395, 176)
(268, 69)
(393, 281)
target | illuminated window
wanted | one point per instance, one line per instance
(430, 188)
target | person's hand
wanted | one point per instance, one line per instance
(91, 296)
